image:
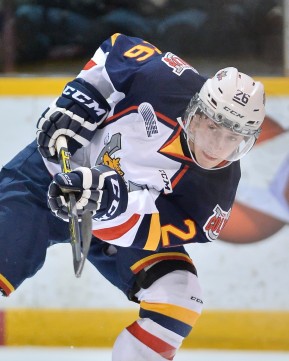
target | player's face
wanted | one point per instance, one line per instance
(211, 143)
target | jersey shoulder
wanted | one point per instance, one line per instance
(143, 73)
(131, 57)
(127, 52)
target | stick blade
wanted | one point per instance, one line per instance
(86, 227)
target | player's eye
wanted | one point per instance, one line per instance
(212, 125)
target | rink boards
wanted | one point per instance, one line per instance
(242, 330)
(257, 321)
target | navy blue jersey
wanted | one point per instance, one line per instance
(172, 200)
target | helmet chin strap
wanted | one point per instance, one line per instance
(180, 121)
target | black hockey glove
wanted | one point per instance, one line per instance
(75, 114)
(100, 190)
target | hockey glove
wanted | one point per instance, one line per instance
(75, 114)
(100, 190)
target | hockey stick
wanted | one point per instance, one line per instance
(79, 239)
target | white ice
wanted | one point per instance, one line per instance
(93, 354)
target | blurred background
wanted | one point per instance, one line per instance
(44, 36)
(245, 274)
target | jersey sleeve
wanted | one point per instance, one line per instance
(112, 68)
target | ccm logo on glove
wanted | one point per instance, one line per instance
(76, 114)
(83, 98)
(100, 190)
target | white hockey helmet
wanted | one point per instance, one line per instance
(234, 102)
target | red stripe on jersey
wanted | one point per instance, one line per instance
(167, 119)
(5, 288)
(135, 107)
(2, 328)
(174, 137)
(109, 234)
(6, 285)
(173, 147)
(89, 65)
(156, 344)
(120, 114)
(179, 176)
(222, 164)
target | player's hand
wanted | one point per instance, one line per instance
(75, 114)
(100, 190)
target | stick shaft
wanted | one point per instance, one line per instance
(75, 240)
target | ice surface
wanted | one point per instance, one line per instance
(85, 354)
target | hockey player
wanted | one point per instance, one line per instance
(156, 151)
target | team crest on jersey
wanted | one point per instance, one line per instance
(106, 155)
(113, 163)
(216, 223)
(176, 63)
(112, 144)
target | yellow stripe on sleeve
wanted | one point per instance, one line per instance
(147, 261)
(114, 37)
(154, 233)
(6, 285)
(182, 314)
